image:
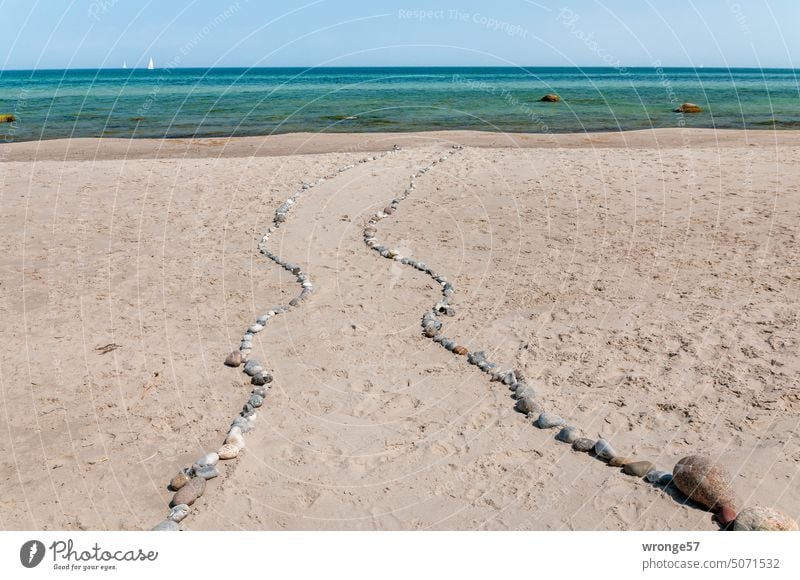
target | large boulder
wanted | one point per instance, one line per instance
(761, 519)
(708, 484)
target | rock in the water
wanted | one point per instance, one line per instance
(706, 483)
(189, 493)
(604, 450)
(462, 350)
(228, 451)
(549, 420)
(167, 526)
(567, 435)
(206, 471)
(550, 98)
(527, 405)
(761, 519)
(6, 118)
(208, 459)
(179, 481)
(638, 468)
(689, 108)
(253, 367)
(583, 444)
(234, 359)
(179, 512)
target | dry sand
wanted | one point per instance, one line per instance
(646, 282)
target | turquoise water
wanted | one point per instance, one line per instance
(224, 102)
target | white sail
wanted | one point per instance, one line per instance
(150, 65)
(124, 64)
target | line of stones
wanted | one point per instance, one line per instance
(697, 477)
(189, 484)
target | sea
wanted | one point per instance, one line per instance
(223, 102)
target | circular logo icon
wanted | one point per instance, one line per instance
(31, 553)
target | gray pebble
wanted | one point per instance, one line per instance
(476, 357)
(568, 435)
(260, 391)
(179, 512)
(256, 401)
(253, 367)
(167, 526)
(206, 471)
(527, 406)
(208, 459)
(549, 420)
(583, 444)
(604, 450)
(659, 477)
(261, 379)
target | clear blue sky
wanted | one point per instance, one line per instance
(104, 33)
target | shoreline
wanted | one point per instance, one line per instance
(103, 149)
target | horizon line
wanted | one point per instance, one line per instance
(400, 66)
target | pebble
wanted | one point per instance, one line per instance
(256, 401)
(659, 477)
(179, 512)
(189, 492)
(261, 379)
(567, 434)
(604, 450)
(179, 481)
(619, 461)
(583, 444)
(549, 420)
(242, 423)
(234, 359)
(708, 484)
(167, 526)
(260, 391)
(476, 357)
(206, 471)
(638, 468)
(208, 459)
(524, 391)
(761, 519)
(461, 350)
(527, 405)
(255, 328)
(228, 451)
(253, 367)
(235, 438)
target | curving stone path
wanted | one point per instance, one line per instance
(189, 484)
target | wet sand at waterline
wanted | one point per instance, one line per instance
(646, 283)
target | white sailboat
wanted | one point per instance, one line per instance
(150, 65)
(124, 64)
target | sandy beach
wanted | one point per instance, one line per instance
(646, 283)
